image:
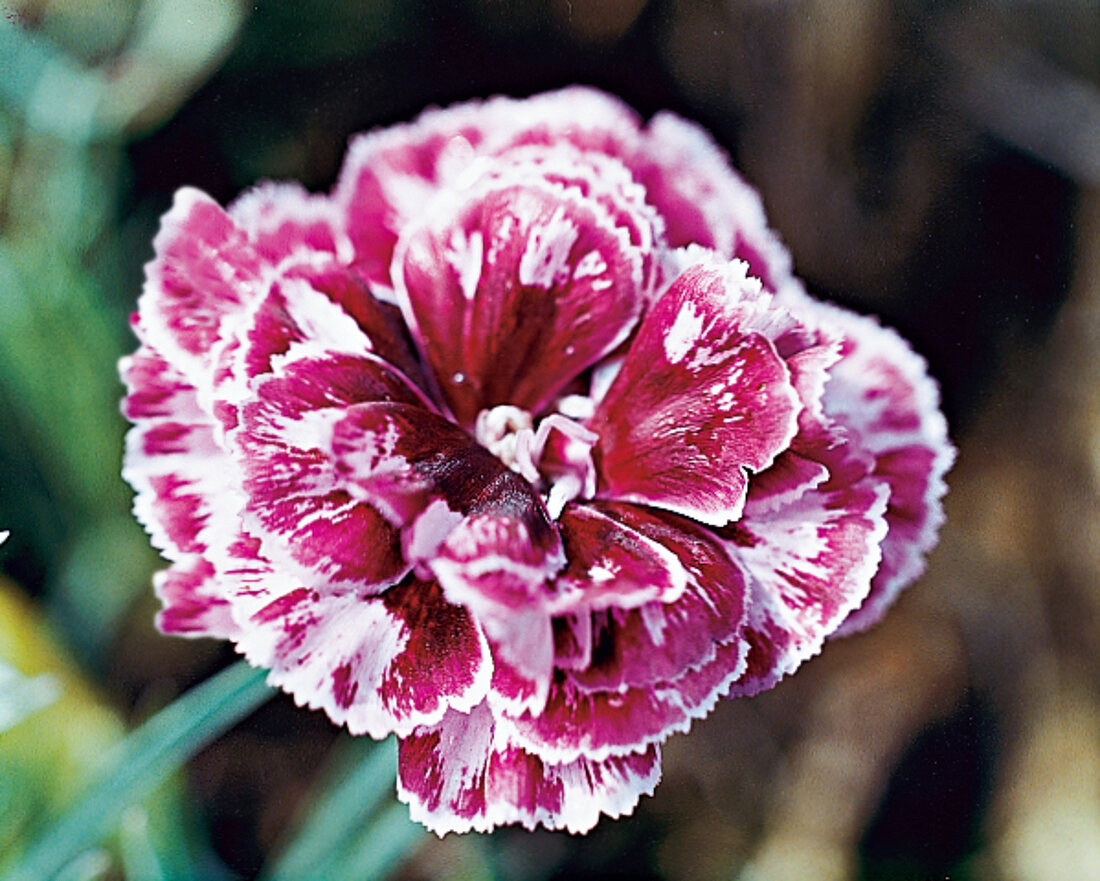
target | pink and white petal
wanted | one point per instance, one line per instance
(157, 391)
(514, 691)
(653, 669)
(284, 219)
(497, 558)
(494, 563)
(329, 540)
(389, 175)
(295, 322)
(184, 485)
(588, 788)
(184, 482)
(808, 564)
(193, 601)
(612, 565)
(381, 322)
(704, 201)
(513, 287)
(791, 476)
(598, 177)
(298, 502)
(576, 723)
(572, 643)
(881, 391)
(205, 271)
(300, 389)
(290, 320)
(658, 641)
(590, 120)
(378, 665)
(461, 775)
(702, 398)
(248, 579)
(797, 470)
(398, 449)
(496, 566)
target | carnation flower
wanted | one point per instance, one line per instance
(524, 444)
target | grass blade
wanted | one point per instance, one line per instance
(142, 762)
(385, 842)
(357, 784)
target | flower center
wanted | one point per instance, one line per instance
(500, 430)
(556, 459)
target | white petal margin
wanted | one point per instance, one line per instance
(881, 389)
(463, 775)
(375, 664)
(187, 489)
(808, 565)
(281, 218)
(204, 271)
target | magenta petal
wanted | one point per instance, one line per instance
(329, 539)
(376, 664)
(808, 564)
(330, 382)
(515, 691)
(796, 471)
(514, 289)
(790, 476)
(192, 601)
(658, 641)
(572, 643)
(882, 391)
(298, 501)
(577, 723)
(461, 775)
(205, 269)
(283, 219)
(156, 391)
(496, 564)
(703, 200)
(182, 478)
(698, 689)
(585, 118)
(389, 175)
(630, 695)
(497, 568)
(701, 399)
(612, 565)
(497, 557)
(295, 321)
(380, 322)
(404, 456)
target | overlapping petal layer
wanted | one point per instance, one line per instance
(702, 399)
(515, 289)
(465, 773)
(524, 444)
